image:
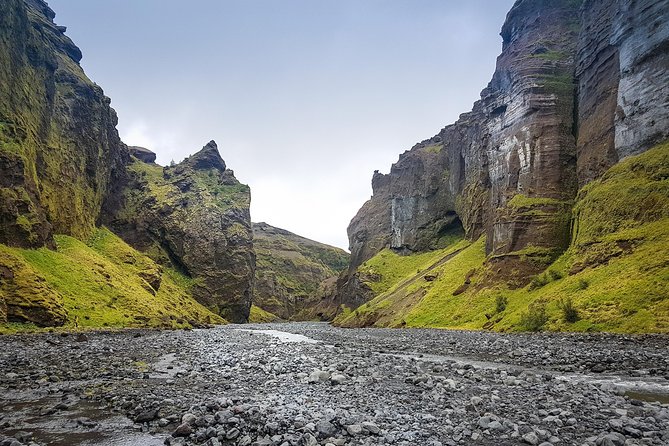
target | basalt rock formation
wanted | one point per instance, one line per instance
(193, 216)
(579, 86)
(291, 271)
(64, 172)
(60, 152)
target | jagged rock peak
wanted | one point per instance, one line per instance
(143, 154)
(207, 158)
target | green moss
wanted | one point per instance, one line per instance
(613, 277)
(104, 284)
(387, 268)
(260, 316)
(523, 201)
(24, 223)
(433, 148)
(631, 193)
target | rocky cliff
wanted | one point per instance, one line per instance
(193, 216)
(578, 87)
(292, 270)
(60, 152)
(65, 171)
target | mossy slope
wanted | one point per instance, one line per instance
(615, 272)
(291, 269)
(101, 283)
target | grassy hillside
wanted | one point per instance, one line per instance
(614, 277)
(290, 270)
(100, 283)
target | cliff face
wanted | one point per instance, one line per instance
(60, 152)
(63, 170)
(291, 271)
(577, 88)
(517, 140)
(193, 216)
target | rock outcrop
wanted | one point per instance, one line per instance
(60, 153)
(195, 217)
(142, 154)
(292, 271)
(64, 170)
(578, 87)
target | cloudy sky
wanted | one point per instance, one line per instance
(305, 98)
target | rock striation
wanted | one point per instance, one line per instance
(578, 87)
(292, 271)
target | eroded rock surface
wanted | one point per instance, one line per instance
(60, 153)
(577, 88)
(195, 217)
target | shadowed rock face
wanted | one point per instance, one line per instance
(195, 217)
(60, 152)
(577, 88)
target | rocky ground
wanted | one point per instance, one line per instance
(327, 386)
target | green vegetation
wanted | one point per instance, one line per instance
(534, 318)
(569, 311)
(613, 277)
(290, 270)
(500, 303)
(260, 316)
(387, 268)
(523, 201)
(433, 148)
(106, 283)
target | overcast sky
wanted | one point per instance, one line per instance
(305, 98)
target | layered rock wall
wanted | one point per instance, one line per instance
(517, 140)
(578, 87)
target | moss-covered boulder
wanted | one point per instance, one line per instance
(194, 217)
(291, 271)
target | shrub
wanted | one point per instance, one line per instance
(538, 281)
(569, 311)
(534, 318)
(582, 284)
(554, 274)
(500, 303)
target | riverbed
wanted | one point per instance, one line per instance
(313, 384)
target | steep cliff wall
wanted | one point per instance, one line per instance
(63, 169)
(516, 142)
(578, 87)
(195, 217)
(290, 271)
(59, 148)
